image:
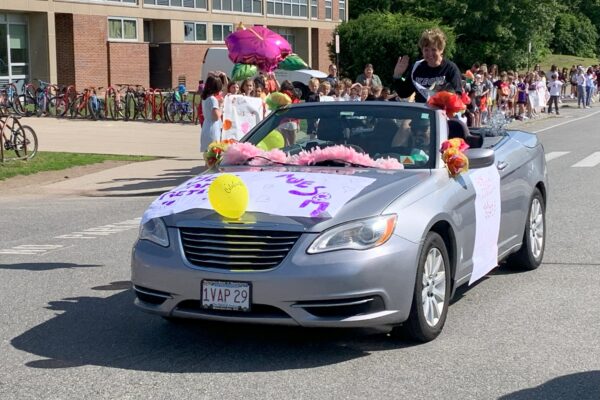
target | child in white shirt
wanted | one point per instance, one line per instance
(554, 86)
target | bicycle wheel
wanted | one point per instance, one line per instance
(24, 141)
(171, 111)
(93, 107)
(18, 105)
(57, 106)
(41, 103)
(130, 107)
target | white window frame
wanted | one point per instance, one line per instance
(232, 11)
(222, 33)
(122, 19)
(314, 4)
(171, 7)
(291, 3)
(195, 28)
(330, 9)
(342, 10)
(108, 2)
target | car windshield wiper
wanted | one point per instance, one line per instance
(336, 162)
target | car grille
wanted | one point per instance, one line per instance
(236, 249)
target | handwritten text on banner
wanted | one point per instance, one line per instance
(292, 194)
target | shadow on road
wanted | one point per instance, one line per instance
(579, 386)
(169, 179)
(111, 332)
(46, 266)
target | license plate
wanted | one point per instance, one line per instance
(224, 295)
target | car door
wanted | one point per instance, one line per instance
(510, 159)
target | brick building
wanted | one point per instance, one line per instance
(154, 43)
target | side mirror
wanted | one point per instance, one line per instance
(480, 158)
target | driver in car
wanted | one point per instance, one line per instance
(413, 139)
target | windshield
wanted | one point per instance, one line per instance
(404, 133)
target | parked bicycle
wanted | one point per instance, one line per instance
(16, 141)
(177, 108)
(9, 100)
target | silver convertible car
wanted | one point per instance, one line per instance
(354, 244)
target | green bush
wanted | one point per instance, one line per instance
(574, 34)
(380, 38)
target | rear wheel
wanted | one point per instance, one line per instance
(431, 294)
(25, 142)
(130, 107)
(170, 111)
(531, 253)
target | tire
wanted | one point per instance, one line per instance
(130, 107)
(18, 105)
(93, 107)
(531, 253)
(25, 142)
(170, 111)
(41, 103)
(57, 107)
(431, 295)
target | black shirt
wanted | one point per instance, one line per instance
(446, 76)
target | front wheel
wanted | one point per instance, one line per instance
(530, 255)
(25, 142)
(431, 294)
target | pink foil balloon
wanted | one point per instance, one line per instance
(258, 46)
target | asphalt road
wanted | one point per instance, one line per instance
(69, 329)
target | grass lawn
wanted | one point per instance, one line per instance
(51, 161)
(561, 61)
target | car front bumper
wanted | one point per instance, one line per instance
(346, 288)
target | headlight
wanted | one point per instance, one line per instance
(155, 231)
(356, 235)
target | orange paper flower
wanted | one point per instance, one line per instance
(227, 124)
(452, 154)
(449, 102)
(215, 151)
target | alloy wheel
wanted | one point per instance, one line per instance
(433, 293)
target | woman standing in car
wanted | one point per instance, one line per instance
(429, 75)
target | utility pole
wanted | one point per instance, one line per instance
(528, 55)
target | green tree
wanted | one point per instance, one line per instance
(575, 34)
(380, 38)
(360, 7)
(498, 32)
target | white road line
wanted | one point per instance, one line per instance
(566, 122)
(29, 249)
(590, 161)
(555, 154)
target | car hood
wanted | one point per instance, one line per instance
(371, 201)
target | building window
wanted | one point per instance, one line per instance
(245, 6)
(314, 9)
(287, 34)
(221, 31)
(328, 9)
(194, 32)
(178, 3)
(342, 10)
(290, 8)
(122, 29)
(123, 1)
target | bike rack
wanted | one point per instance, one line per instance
(196, 110)
(157, 109)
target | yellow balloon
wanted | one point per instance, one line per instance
(228, 195)
(274, 140)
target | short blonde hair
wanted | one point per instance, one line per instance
(433, 37)
(325, 87)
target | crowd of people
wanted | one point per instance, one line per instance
(484, 90)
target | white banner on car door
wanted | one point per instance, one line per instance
(486, 182)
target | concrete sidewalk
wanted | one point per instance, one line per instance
(177, 143)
